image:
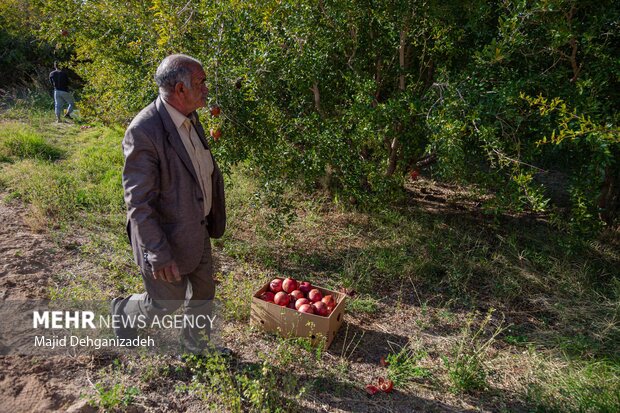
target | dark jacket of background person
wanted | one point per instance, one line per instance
(59, 80)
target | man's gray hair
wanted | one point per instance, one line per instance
(174, 69)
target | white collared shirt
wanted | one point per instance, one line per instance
(200, 157)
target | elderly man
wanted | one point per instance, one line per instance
(174, 193)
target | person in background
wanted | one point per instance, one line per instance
(174, 193)
(62, 96)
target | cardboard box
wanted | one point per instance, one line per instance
(291, 323)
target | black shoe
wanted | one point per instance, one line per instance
(222, 351)
(68, 116)
(117, 322)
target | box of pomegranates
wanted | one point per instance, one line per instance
(295, 308)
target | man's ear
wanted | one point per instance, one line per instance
(179, 87)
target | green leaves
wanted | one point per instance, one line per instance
(348, 95)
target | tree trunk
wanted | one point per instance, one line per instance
(392, 161)
(317, 97)
(609, 197)
(395, 145)
(573, 44)
(401, 58)
(375, 102)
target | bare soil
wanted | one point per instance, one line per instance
(27, 261)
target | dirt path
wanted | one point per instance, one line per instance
(28, 263)
(26, 258)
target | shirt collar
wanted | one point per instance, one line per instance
(177, 117)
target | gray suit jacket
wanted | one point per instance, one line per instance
(165, 215)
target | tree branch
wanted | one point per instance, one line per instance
(317, 97)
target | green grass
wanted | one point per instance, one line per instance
(591, 386)
(115, 396)
(19, 141)
(363, 304)
(86, 183)
(255, 387)
(403, 366)
(468, 364)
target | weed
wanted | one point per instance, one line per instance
(236, 295)
(467, 369)
(212, 380)
(262, 388)
(363, 304)
(116, 396)
(151, 369)
(256, 387)
(306, 343)
(515, 338)
(403, 365)
(342, 368)
(347, 350)
(446, 315)
(577, 387)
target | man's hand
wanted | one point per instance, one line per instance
(169, 273)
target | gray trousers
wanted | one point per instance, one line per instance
(195, 292)
(62, 98)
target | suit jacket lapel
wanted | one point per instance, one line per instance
(174, 138)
